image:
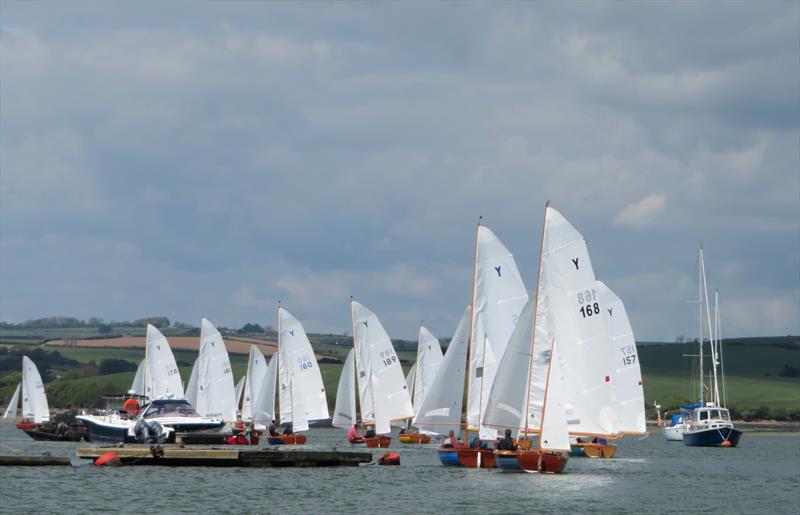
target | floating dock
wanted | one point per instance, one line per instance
(34, 461)
(175, 456)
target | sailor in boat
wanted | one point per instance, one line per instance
(507, 442)
(273, 429)
(370, 432)
(353, 436)
(451, 442)
(288, 429)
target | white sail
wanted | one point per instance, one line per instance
(554, 435)
(137, 387)
(13, 404)
(191, 386)
(264, 404)
(441, 407)
(410, 378)
(506, 404)
(344, 414)
(568, 282)
(429, 359)
(627, 374)
(163, 378)
(253, 381)
(298, 374)
(239, 388)
(34, 399)
(499, 297)
(380, 375)
(216, 396)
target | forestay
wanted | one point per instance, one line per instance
(163, 380)
(216, 396)
(499, 295)
(299, 377)
(13, 404)
(442, 405)
(380, 376)
(344, 414)
(34, 399)
(627, 374)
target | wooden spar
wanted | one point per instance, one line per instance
(533, 322)
(471, 331)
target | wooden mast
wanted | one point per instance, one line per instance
(471, 331)
(533, 323)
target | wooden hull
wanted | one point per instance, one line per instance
(415, 438)
(507, 461)
(593, 450)
(298, 439)
(375, 442)
(544, 462)
(469, 458)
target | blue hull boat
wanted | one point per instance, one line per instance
(713, 437)
(449, 457)
(507, 461)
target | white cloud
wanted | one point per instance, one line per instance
(642, 213)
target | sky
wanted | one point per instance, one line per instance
(190, 159)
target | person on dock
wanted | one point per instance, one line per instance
(506, 443)
(353, 436)
(451, 442)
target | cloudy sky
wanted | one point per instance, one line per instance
(194, 159)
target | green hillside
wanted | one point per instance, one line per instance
(758, 372)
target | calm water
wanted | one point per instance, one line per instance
(650, 475)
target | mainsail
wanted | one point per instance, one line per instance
(383, 392)
(216, 396)
(441, 407)
(499, 295)
(162, 378)
(627, 374)
(264, 400)
(302, 393)
(253, 382)
(429, 359)
(344, 414)
(34, 399)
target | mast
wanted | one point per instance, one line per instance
(700, 307)
(471, 331)
(533, 324)
(715, 391)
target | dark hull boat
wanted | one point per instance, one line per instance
(713, 437)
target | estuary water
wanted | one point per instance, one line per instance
(650, 475)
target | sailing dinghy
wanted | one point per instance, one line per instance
(420, 379)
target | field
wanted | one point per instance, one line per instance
(754, 367)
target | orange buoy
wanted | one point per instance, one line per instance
(726, 443)
(109, 459)
(131, 406)
(389, 458)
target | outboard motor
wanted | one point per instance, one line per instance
(150, 432)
